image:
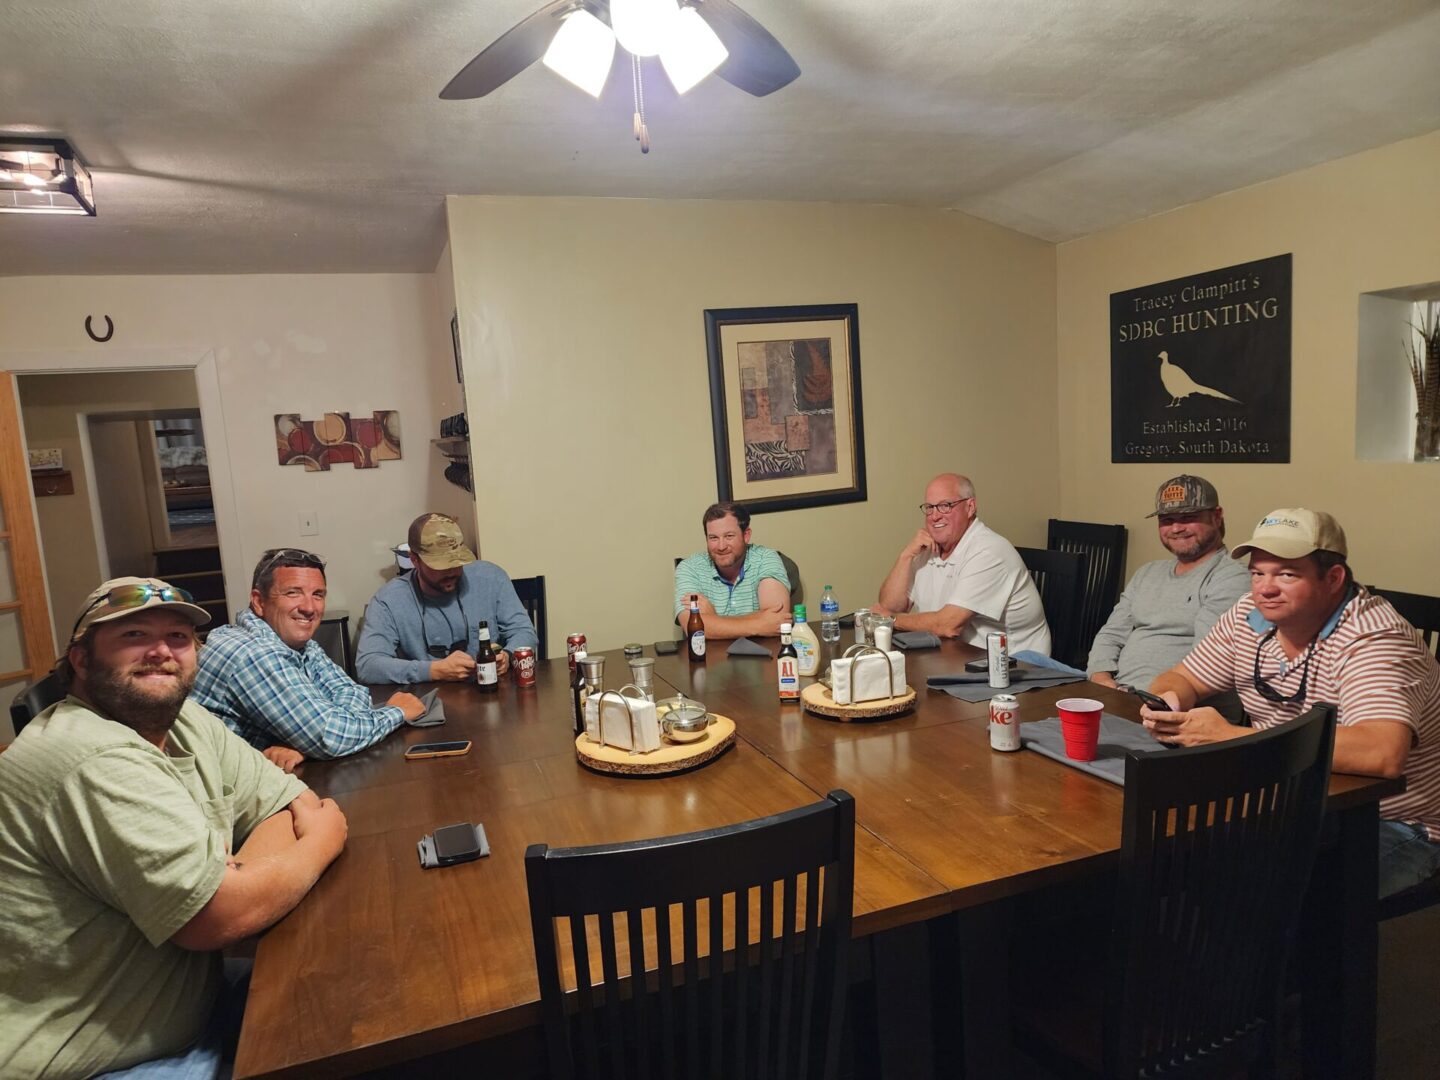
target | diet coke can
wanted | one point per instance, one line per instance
(1004, 722)
(998, 647)
(525, 666)
(572, 643)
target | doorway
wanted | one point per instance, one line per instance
(137, 496)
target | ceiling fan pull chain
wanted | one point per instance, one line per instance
(637, 83)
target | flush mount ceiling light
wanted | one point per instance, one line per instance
(577, 40)
(43, 176)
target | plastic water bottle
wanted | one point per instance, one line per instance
(829, 616)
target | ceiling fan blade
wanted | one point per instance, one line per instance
(758, 64)
(508, 55)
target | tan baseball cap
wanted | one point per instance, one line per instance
(436, 540)
(124, 596)
(1185, 494)
(1294, 533)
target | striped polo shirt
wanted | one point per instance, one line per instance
(1367, 660)
(697, 574)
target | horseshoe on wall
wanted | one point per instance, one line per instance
(109, 329)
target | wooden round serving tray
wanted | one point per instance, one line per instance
(670, 758)
(816, 699)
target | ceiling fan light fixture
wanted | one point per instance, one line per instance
(582, 52)
(43, 176)
(693, 51)
(643, 27)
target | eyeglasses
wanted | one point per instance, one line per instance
(944, 507)
(134, 596)
(1268, 692)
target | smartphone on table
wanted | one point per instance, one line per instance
(437, 749)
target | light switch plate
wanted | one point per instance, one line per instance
(309, 523)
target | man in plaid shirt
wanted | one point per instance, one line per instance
(273, 684)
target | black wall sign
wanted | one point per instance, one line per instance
(1200, 367)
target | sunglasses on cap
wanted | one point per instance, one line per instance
(134, 596)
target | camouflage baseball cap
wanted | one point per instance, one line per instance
(1185, 494)
(436, 540)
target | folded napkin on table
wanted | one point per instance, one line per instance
(743, 646)
(975, 685)
(434, 711)
(915, 639)
(1117, 736)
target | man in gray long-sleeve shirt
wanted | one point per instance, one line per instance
(1170, 604)
(422, 627)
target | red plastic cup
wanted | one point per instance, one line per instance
(1080, 724)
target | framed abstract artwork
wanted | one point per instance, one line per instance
(785, 405)
(335, 437)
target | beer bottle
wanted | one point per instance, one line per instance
(578, 693)
(487, 667)
(695, 631)
(787, 667)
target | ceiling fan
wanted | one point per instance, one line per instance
(577, 39)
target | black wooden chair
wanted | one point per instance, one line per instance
(675, 996)
(1060, 576)
(531, 591)
(1420, 611)
(1105, 545)
(1216, 852)
(35, 699)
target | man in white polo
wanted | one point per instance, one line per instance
(1306, 632)
(958, 578)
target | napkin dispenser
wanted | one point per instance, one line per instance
(624, 720)
(866, 673)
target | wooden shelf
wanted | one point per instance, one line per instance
(456, 448)
(53, 482)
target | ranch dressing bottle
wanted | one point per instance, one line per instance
(807, 645)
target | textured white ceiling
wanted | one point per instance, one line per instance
(307, 135)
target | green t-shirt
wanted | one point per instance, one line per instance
(108, 846)
(697, 574)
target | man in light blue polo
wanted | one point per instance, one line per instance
(742, 587)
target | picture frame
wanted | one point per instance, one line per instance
(785, 405)
(455, 344)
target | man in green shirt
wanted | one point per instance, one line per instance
(743, 587)
(138, 836)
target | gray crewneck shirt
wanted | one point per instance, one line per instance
(1162, 614)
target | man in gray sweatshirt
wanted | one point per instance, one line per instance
(1170, 604)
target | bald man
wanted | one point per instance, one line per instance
(960, 579)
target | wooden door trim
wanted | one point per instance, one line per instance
(37, 631)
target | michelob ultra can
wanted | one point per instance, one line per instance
(997, 645)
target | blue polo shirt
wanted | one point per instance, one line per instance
(697, 574)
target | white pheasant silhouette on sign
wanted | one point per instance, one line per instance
(1179, 385)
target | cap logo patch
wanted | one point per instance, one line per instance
(1289, 523)
(1173, 493)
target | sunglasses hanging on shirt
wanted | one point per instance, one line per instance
(1268, 692)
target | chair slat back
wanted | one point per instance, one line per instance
(531, 591)
(1216, 853)
(1060, 576)
(1420, 611)
(35, 699)
(1105, 546)
(719, 953)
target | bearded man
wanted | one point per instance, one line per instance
(138, 837)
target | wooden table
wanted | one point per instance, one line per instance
(384, 962)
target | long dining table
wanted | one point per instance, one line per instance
(385, 962)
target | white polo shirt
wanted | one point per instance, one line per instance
(985, 575)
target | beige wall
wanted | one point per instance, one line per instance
(282, 343)
(1360, 224)
(585, 363)
(52, 407)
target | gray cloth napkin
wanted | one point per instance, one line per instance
(1117, 735)
(975, 686)
(434, 711)
(743, 646)
(915, 639)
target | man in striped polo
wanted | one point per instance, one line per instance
(1306, 633)
(743, 587)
